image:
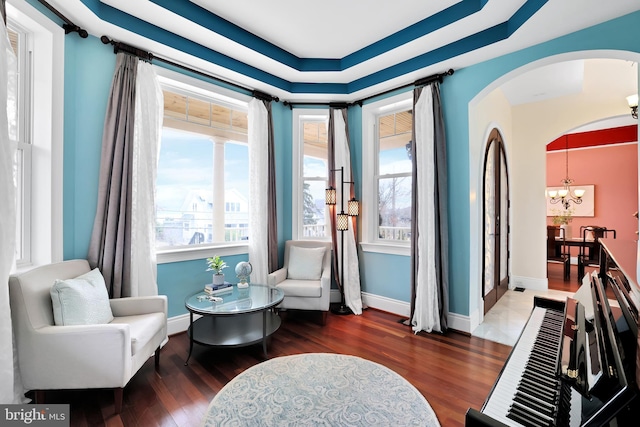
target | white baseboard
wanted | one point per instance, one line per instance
(180, 323)
(530, 283)
(389, 305)
(455, 321)
(177, 324)
(459, 322)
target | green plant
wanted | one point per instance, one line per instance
(216, 264)
(562, 217)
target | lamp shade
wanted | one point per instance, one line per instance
(579, 192)
(330, 196)
(632, 100)
(342, 221)
(353, 207)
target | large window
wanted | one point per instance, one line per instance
(387, 168)
(202, 194)
(393, 177)
(310, 215)
(38, 44)
(20, 136)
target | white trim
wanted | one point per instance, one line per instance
(530, 283)
(182, 82)
(389, 249)
(459, 322)
(297, 169)
(476, 229)
(190, 86)
(390, 305)
(180, 323)
(369, 217)
(475, 319)
(48, 135)
(188, 253)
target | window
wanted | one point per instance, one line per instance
(20, 136)
(202, 187)
(310, 179)
(38, 44)
(387, 167)
(393, 177)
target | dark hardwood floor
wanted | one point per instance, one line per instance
(556, 281)
(453, 371)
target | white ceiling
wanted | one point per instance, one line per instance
(327, 29)
(331, 29)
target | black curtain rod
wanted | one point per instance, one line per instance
(123, 47)
(420, 82)
(148, 56)
(68, 26)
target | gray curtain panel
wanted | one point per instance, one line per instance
(331, 165)
(110, 246)
(414, 209)
(352, 186)
(272, 211)
(440, 206)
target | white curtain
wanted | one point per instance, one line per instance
(351, 274)
(258, 190)
(149, 110)
(427, 314)
(10, 385)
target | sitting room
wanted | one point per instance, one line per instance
(277, 213)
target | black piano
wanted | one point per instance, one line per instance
(576, 362)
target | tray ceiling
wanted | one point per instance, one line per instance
(334, 50)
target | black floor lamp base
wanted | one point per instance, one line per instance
(340, 309)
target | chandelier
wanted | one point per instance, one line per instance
(565, 196)
(632, 100)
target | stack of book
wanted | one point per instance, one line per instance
(218, 289)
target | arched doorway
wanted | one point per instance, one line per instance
(495, 270)
(521, 127)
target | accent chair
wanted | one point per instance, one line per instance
(305, 277)
(81, 356)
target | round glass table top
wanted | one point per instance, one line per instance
(235, 300)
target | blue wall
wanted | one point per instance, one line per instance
(621, 34)
(89, 68)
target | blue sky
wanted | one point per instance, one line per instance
(186, 163)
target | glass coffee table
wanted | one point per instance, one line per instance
(244, 317)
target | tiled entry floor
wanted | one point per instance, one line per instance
(505, 321)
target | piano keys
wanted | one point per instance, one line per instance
(567, 370)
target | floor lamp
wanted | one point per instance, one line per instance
(342, 225)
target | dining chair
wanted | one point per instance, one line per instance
(589, 255)
(558, 250)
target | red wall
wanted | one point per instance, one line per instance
(613, 170)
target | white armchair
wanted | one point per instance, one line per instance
(54, 357)
(305, 277)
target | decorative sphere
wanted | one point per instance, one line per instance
(243, 271)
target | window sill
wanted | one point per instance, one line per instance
(166, 256)
(386, 248)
